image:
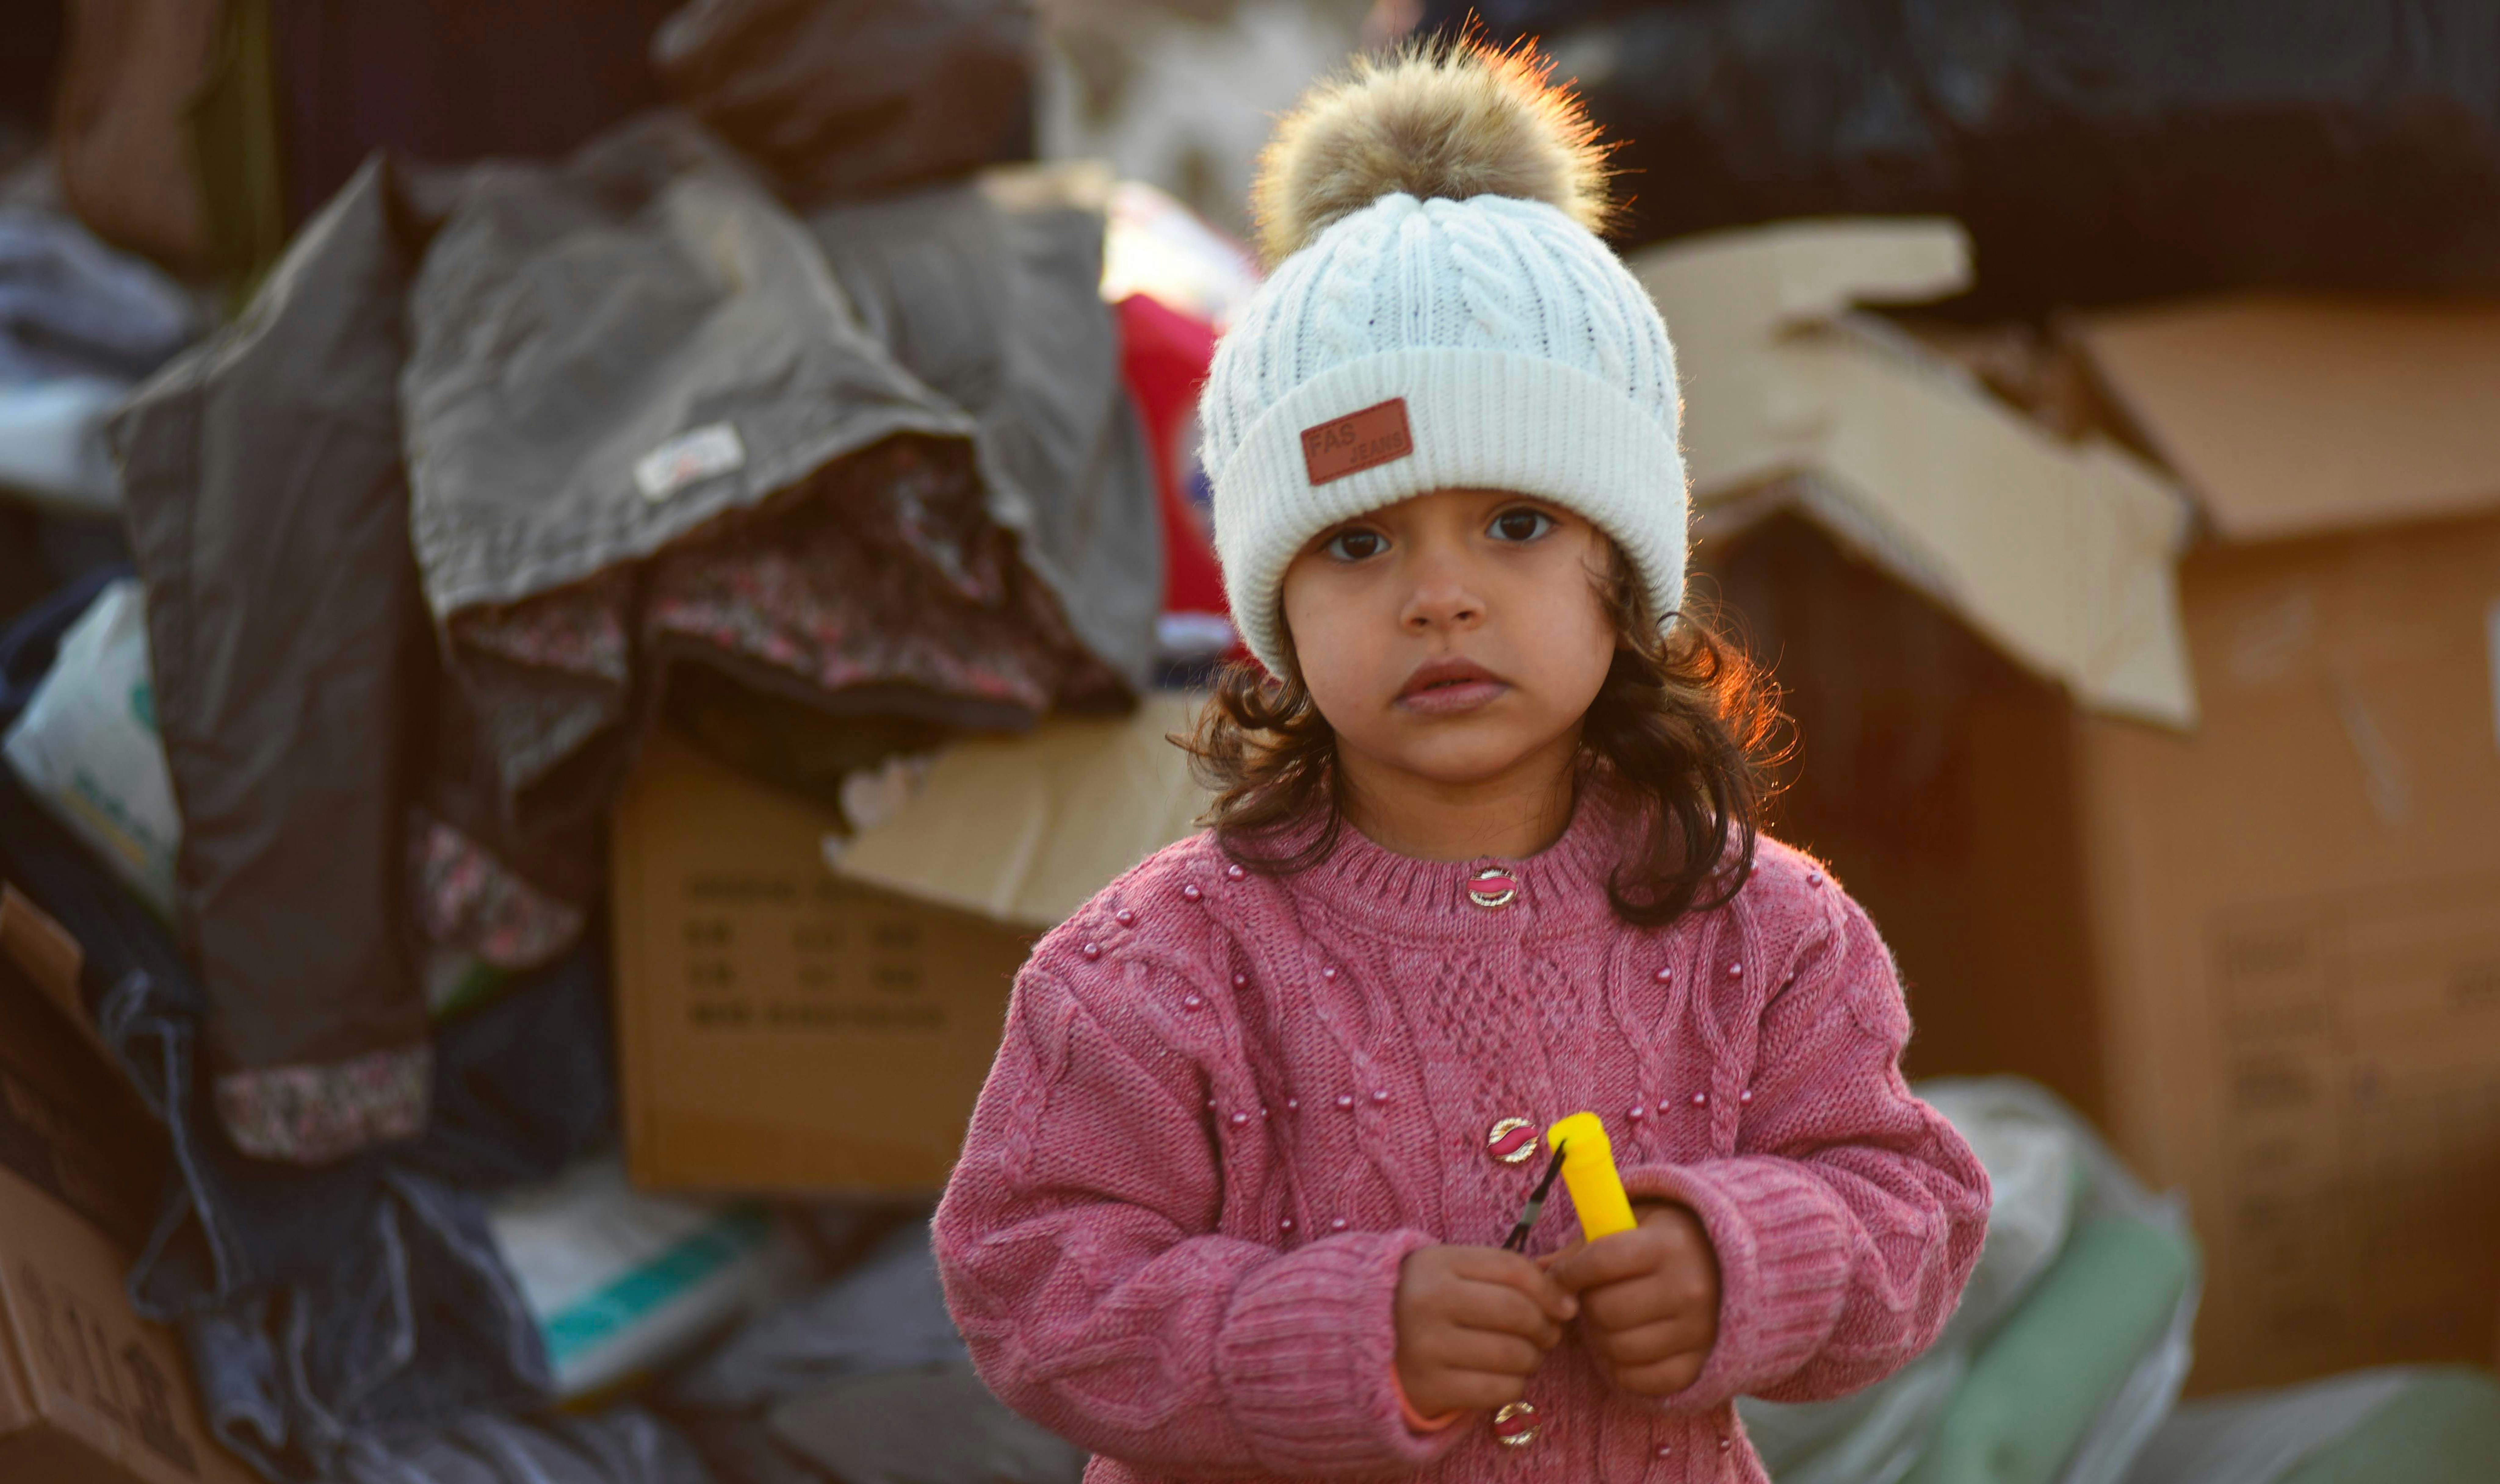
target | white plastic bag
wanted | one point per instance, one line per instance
(621, 1282)
(2258, 1437)
(51, 443)
(2047, 1171)
(1874, 1437)
(87, 747)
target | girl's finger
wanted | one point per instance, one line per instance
(1491, 1264)
(1544, 1290)
(1548, 1261)
(1479, 1391)
(1661, 1378)
(1629, 1305)
(1485, 1350)
(1502, 1311)
(1649, 1344)
(1607, 1260)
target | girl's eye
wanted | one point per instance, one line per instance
(1521, 524)
(1354, 545)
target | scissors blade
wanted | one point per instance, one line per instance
(1517, 1241)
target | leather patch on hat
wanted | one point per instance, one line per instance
(1357, 442)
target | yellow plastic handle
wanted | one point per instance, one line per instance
(1589, 1169)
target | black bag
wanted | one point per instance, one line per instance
(849, 98)
(2096, 149)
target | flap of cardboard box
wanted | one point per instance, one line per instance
(2059, 552)
(1024, 831)
(2298, 416)
(51, 960)
(1749, 284)
(84, 1383)
(42, 950)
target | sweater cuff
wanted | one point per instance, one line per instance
(1416, 1422)
(1307, 1355)
(1783, 1243)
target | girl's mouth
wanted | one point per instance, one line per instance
(1450, 686)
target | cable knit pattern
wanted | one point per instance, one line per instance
(1529, 358)
(1227, 1106)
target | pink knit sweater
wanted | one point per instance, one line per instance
(1229, 1104)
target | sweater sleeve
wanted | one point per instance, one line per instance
(1851, 1213)
(1078, 1247)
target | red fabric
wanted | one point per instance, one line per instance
(1227, 1106)
(1163, 356)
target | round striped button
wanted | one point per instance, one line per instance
(1492, 887)
(1516, 1426)
(1512, 1140)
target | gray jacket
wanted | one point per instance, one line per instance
(468, 399)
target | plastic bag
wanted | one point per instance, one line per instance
(2400, 1425)
(2096, 149)
(87, 747)
(2255, 1439)
(1874, 1437)
(848, 99)
(934, 1423)
(2049, 1174)
(621, 1282)
(51, 443)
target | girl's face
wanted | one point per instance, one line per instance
(1455, 635)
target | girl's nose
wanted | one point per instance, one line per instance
(1442, 597)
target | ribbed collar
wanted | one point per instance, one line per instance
(1560, 889)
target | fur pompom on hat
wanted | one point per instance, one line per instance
(1441, 315)
(1457, 124)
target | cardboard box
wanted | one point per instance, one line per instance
(89, 1394)
(781, 1030)
(2297, 920)
(2059, 552)
(2296, 910)
(2263, 955)
(2259, 939)
(2292, 417)
(1024, 831)
(69, 1121)
(787, 1029)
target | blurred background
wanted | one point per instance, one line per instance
(579, 577)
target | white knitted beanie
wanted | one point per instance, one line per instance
(1441, 315)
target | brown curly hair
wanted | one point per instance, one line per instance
(1685, 721)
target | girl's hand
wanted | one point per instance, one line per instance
(1651, 1295)
(1473, 1323)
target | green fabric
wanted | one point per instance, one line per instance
(2443, 1429)
(2037, 1385)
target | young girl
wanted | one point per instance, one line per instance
(1484, 855)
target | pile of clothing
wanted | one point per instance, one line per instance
(496, 455)
(80, 325)
(740, 390)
